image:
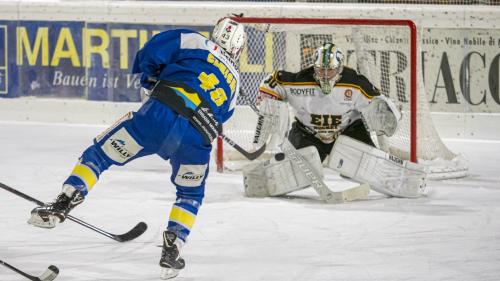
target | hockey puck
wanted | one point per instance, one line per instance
(279, 156)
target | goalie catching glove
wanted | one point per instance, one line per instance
(381, 116)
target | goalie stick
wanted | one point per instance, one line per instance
(135, 232)
(50, 273)
(335, 197)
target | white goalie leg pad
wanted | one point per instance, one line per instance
(279, 175)
(385, 173)
(254, 180)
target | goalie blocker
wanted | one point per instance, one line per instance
(384, 173)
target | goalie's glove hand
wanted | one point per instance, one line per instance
(381, 116)
(348, 117)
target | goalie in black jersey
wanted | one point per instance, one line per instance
(335, 110)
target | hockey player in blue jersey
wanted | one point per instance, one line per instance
(193, 84)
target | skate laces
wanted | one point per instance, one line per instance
(62, 202)
(169, 248)
(170, 256)
(65, 203)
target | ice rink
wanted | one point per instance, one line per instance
(452, 234)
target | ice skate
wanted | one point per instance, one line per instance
(48, 215)
(171, 262)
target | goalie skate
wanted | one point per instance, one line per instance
(48, 215)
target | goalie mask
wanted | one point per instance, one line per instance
(328, 66)
(231, 36)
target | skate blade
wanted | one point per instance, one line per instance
(38, 221)
(167, 273)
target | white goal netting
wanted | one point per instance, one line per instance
(383, 50)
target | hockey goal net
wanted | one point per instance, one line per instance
(385, 51)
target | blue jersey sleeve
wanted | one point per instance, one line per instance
(186, 56)
(157, 53)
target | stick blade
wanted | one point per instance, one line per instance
(254, 155)
(50, 274)
(359, 192)
(135, 232)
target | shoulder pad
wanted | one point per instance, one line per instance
(303, 77)
(351, 77)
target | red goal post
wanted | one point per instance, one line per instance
(314, 31)
(381, 22)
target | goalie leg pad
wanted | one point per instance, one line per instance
(385, 173)
(254, 181)
(279, 175)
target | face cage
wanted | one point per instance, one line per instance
(327, 77)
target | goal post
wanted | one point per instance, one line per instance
(384, 50)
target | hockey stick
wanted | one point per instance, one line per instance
(135, 232)
(335, 197)
(49, 274)
(249, 155)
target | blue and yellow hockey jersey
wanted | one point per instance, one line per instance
(187, 56)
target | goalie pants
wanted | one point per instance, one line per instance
(300, 137)
(153, 129)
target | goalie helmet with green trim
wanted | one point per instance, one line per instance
(328, 66)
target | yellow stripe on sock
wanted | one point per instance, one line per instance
(86, 174)
(182, 217)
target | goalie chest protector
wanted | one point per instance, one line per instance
(318, 111)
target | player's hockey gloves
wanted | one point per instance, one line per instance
(48, 215)
(170, 262)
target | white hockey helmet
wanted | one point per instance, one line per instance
(231, 36)
(328, 66)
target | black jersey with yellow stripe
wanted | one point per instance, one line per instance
(351, 78)
(305, 77)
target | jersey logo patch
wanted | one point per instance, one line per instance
(396, 160)
(190, 175)
(121, 146)
(348, 95)
(305, 92)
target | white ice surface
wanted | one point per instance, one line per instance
(453, 234)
